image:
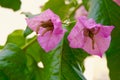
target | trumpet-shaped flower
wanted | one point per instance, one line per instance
(92, 37)
(48, 26)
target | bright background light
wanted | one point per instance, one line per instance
(10, 20)
(96, 68)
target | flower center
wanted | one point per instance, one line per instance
(90, 33)
(48, 25)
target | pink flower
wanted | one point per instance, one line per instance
(48, 26)
(92, 37)
(117, 2)
(81, 12)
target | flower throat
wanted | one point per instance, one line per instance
(90, 33)
(48, 25)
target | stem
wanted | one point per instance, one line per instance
(29, 43)
(69, 22)
(73, 12)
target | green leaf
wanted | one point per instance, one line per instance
(107, 13)
(1, 47)
(34, 49)
(86, 3)
(12, 4)
(16, 37)
(63, 63)
(34, 70)
(59, 7)
(27, 31)
(33, 52)
(13, 63)
(3, 76)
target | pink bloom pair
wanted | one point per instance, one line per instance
(87, 34)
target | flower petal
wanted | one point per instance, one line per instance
(81, 12)
(117, 1)
(101, 45)
(88, 23)
(105, 31)
(76, 37)
(50, 40)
